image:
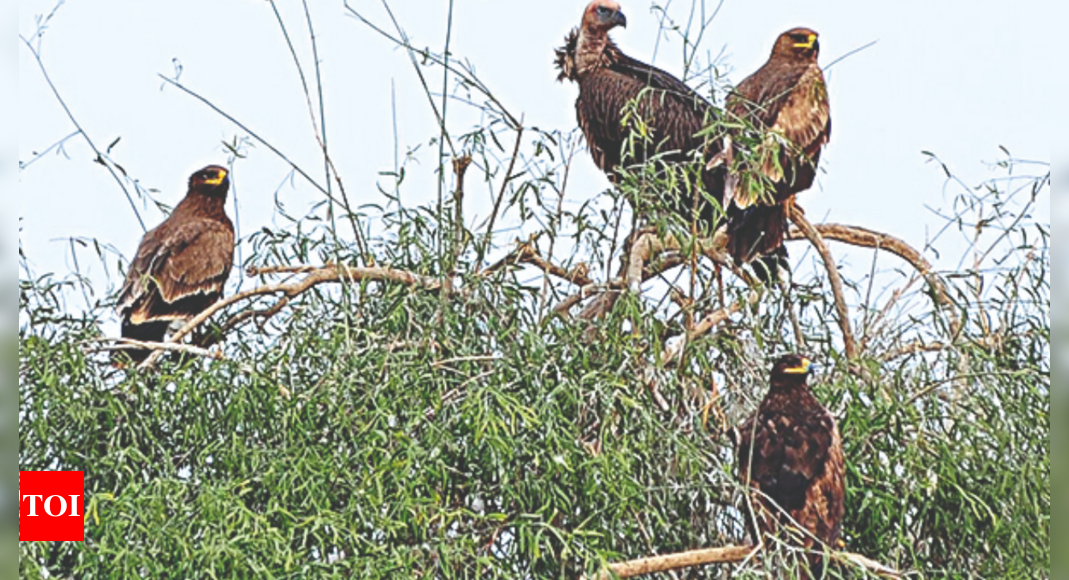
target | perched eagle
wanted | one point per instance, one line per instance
(609, 82)
(181, 265)
(790, 452)
(787, 101)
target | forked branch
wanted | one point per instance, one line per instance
(866, 238)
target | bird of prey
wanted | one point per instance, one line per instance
(614, 89)
(790, 454)
(785, 104)
(181, 265)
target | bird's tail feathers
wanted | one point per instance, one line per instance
(757, 233)
(152, 331)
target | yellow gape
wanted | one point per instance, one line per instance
(220, 175)
(808, 43)
(800, 369)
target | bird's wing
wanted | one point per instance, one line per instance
(805, 116)
(674, 116)
(658, 79)
(193, 256)
(790, 451)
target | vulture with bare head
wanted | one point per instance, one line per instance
(610, 82)
(182, 264)
(790, 453)
(786, 104)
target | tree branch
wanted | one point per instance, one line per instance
(866, 238)
(527, 253)
(722, 555)
(316, 276)
(500, 196)
(121, 344)
(833, 278)
(654, 564)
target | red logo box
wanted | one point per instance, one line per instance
(51, 506)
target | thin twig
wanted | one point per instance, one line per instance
(467, 76)
(254, 135)
(122, 344)
(100, 157)
(527, 253)
(57, 145)
(501, 194)
(331, 273)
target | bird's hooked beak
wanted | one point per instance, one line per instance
(220, 175)
(619, 19)
(801, 369)
(810, 41)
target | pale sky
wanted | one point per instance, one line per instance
(957, 78)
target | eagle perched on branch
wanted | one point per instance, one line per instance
(790, 453)
(786, 101)
(610, 82)
(182, 264)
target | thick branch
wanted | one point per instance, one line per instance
(858, 236)
(584, 293)
(833, 278)
(646, 246)
(720, 316)
(863, 237)
(724, 555)
(654, 564)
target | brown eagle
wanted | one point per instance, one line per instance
(181, 265)
(610, 81)
(790, 453)
(786, 100)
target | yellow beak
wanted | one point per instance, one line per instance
(808, 43)
(219, 177)
(800, 369)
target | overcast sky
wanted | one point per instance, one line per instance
(957, 78)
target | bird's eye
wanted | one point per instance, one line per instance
(602, 11)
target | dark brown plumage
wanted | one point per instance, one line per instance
(787, 100)
(182, 265)
(790, 451)
(609, 80)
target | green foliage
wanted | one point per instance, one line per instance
(377, 430)
(393, 432)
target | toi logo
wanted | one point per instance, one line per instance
(51, 506)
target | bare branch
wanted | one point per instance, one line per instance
(858, 236)
(584, 293)
(654, 564)
(833, 278)
(527, 253)
(501, 193)
(720, 316)
(329, 273)
(121, 344)
(722, 555)
(101, 158)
